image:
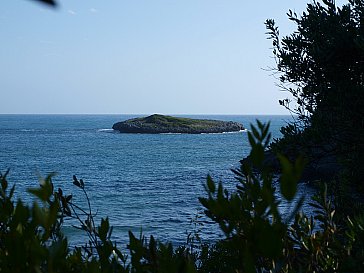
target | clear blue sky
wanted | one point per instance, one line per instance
(145, 56)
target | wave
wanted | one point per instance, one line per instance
(106, 130)
(235, 132)
(33, 130)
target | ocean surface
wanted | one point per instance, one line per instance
(148, 183)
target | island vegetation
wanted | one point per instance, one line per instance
(159, 124)
(321, 65)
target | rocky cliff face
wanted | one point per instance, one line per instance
(158, 124)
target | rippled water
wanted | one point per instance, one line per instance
(141, 181)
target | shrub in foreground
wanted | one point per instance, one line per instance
(258, 236)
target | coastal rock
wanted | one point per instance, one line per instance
(159, 124)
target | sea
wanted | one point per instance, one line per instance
(146, 183)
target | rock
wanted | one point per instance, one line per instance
(159, 124)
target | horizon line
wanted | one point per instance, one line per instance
(147, 114)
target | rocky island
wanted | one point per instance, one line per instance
(159, 124)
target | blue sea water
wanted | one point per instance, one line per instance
(140, 181)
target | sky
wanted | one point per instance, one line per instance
(140, 56)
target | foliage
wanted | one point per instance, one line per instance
(322, 60)
(321, 65)
(31, 239)
(258, 236)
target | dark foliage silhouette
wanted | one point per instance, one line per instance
(321, 65)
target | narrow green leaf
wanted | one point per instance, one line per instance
(251, 139)
(210, 184)
(288, 182)
(255, 133)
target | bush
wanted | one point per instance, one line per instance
(321, 65)
(258, 236)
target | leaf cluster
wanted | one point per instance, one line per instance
(321, 65)
(259, 237)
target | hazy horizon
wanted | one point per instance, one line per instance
(141, 114)
(193, 58)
